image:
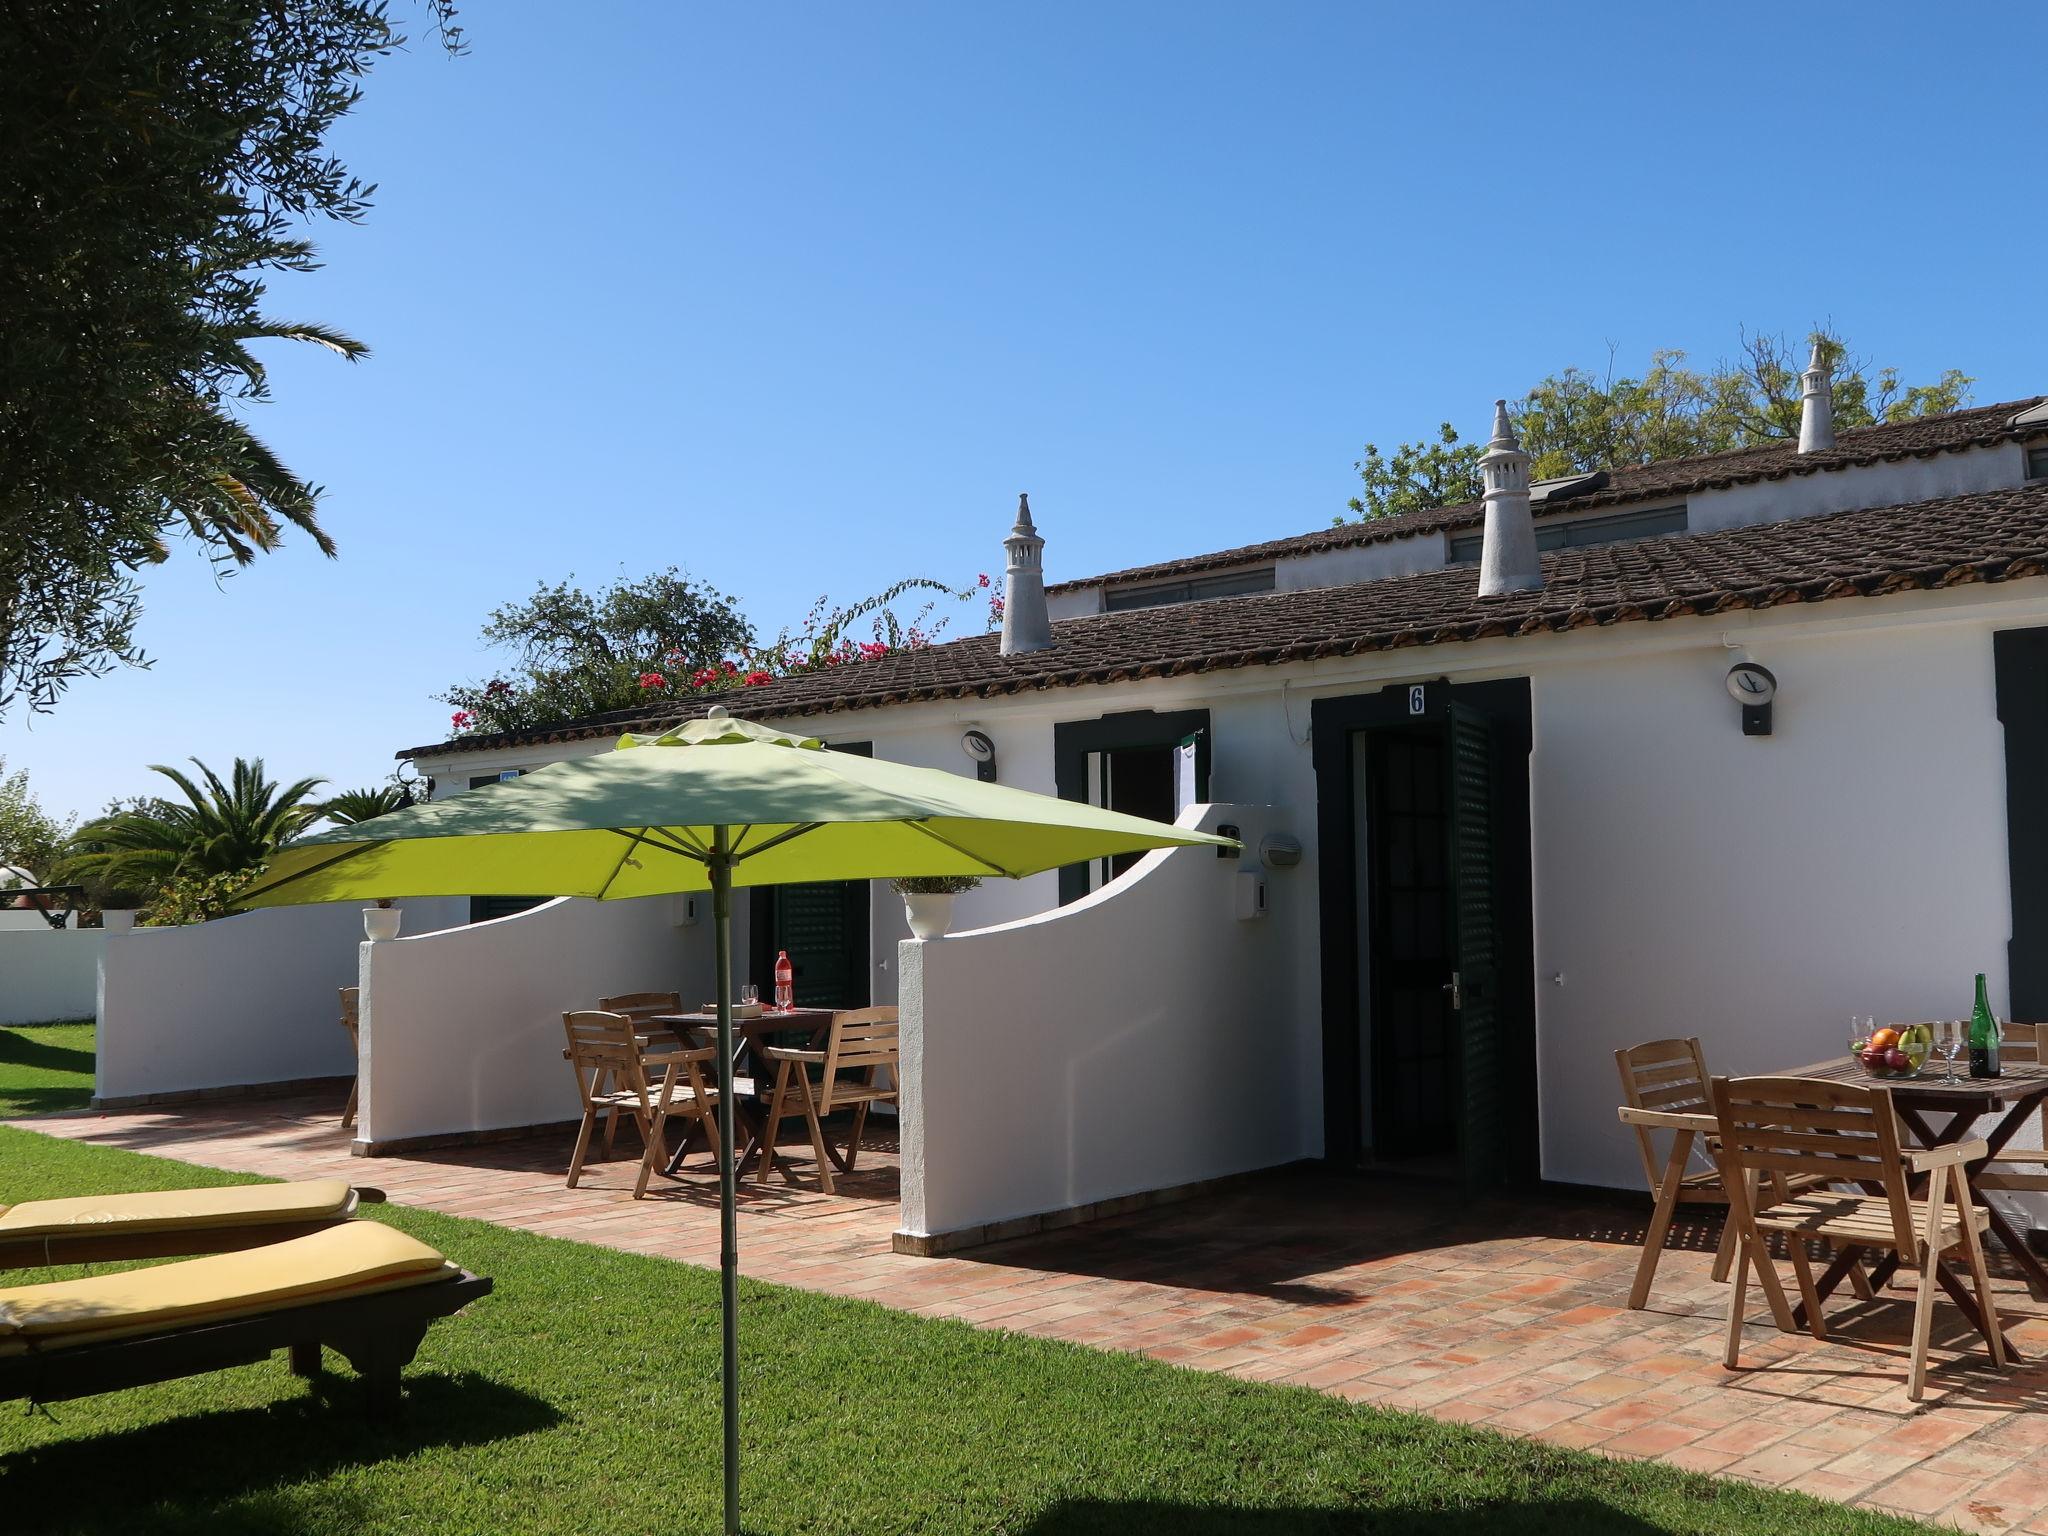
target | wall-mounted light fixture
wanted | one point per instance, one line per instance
(1279, 850)
(979, 746)
(1753, 686)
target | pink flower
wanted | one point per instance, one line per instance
(653, 680)
(982, 578)
(462, 719)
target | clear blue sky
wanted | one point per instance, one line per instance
(800, 296)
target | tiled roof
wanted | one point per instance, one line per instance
(1977, 427)
(1956, 540)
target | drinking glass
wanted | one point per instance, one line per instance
(750, 994)
(1951, 1047)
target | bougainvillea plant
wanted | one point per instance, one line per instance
(576, 663)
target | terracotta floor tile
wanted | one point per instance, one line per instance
(1507, 1314)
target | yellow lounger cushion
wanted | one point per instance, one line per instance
(174, 1210)
(349, 1259)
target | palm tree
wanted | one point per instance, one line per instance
(358, 805)
(223, 829)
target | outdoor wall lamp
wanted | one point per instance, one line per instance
(1753, 686)
(979, 746)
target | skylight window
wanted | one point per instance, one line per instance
(1194, 589)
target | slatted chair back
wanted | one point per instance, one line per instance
(603, 1051)
(642, 1006)
(1666, 1075)
(1788, 1126)
(863, 1040)
(2019, 1044)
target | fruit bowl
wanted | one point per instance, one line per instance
(1893, 1052)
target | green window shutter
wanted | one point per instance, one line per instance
(1483, 1060)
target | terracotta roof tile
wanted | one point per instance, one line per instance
(1986, 537)
(1977, 427)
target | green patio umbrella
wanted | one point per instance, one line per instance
(712, 805)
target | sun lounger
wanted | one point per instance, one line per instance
(361, 1288)
(162, 1224)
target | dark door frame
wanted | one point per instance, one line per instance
(1334, 724)
(2020, 672)
(1073, 740)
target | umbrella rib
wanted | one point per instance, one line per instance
(778, 840)
(964, 853)
(646, 835)
(355, 850)
(634, 840)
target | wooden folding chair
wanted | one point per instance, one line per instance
(612, 1078)
(2018, 1167)
(643, 1006)
(351, 1020)
(862, 1042)
(1664, 1088)
(1845, 1133)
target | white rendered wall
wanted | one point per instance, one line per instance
(244, 999)
(462, 1029)
(47, 975)
(1363, 562)
(1843, 490)
(14, 920)
(1757, 891)
(1135, 1040)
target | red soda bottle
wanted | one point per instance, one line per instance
(785, 980)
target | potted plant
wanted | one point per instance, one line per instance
(928, 901)
(381, 921)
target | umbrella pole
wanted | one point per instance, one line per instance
(728, 1233)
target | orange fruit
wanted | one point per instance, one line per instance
(1884, 1039)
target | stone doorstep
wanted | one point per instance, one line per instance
(932, 1245)
(289, 1088)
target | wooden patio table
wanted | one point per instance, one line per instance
(1920, 1102)
(812, 1023)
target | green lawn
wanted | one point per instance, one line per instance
(44, 1067)
(582, 1398)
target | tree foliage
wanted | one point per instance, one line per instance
(633, 644)
(29, 835)
(1573, 422)
(219, 829)
(158, 158)
(352, 807)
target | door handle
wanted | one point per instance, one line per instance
(1456, 991)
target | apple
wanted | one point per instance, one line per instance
(1873, 1058)
(1898, 1060)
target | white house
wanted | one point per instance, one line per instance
(1737, 747)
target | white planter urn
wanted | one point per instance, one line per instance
(118, 922)
(930, 913)
(381, 922)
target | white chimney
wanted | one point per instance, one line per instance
(1816, 405)
(1026, 626)
(1507, 552)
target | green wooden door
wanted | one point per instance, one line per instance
(1484, 1108)
(825, 929)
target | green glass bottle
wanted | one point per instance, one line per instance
(1983, 1035)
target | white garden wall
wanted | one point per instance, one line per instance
(462, 1030)
(241, 1000)
(47, 974)
(1138, 1039)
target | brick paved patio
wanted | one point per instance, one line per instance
(1502, 1315)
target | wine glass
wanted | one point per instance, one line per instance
(750, 995)
(1951, 1047)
